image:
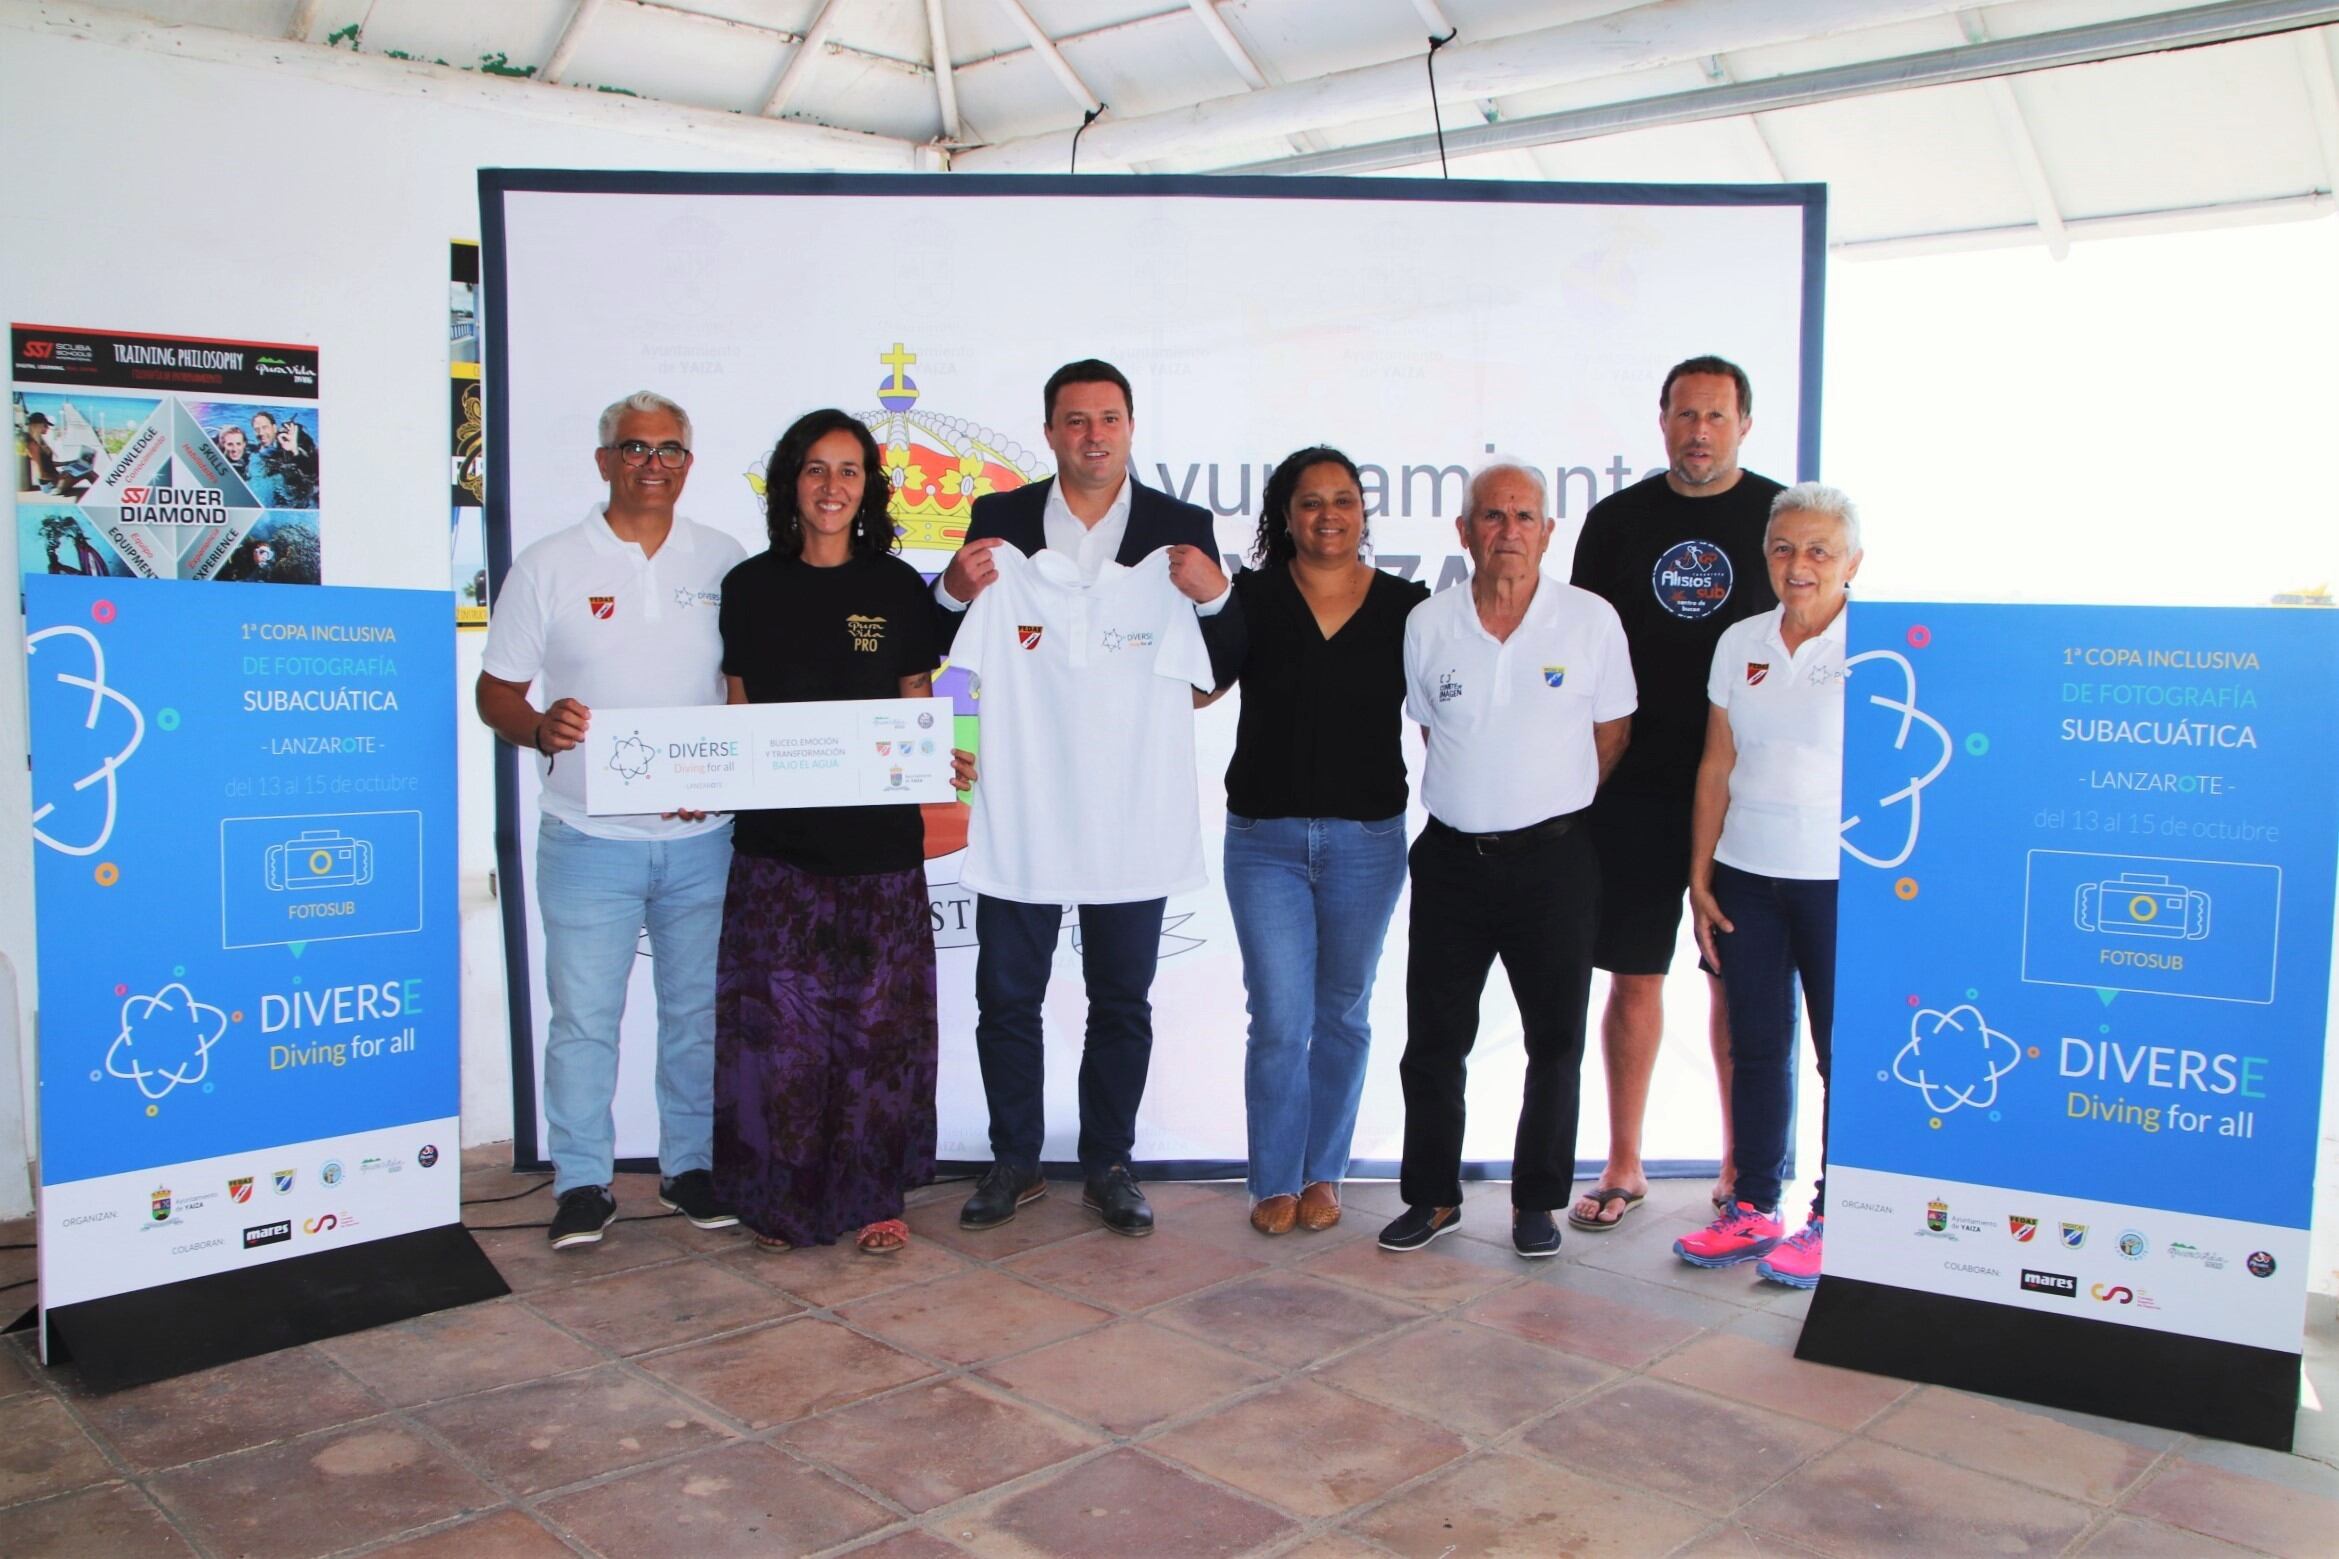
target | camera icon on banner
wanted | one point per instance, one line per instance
(319, 878)
(2142, 904)
(320, 858)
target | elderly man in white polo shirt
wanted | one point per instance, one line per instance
(621, 609)
(1523, 686)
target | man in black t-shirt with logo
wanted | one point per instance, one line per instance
(1679, 555)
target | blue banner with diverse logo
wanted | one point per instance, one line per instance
(244, 812)
(2085, 961)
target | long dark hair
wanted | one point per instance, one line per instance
(872, 533)
(1273, 544)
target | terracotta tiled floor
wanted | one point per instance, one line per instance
(1050, 1389)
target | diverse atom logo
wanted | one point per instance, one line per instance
(1955, 1059)
(631, 757)
(95, 830)
(165, 1041)
(1903, 702)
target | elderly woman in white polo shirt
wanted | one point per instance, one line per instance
(1762, 870)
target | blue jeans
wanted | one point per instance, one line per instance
(1785, 927)
(1016, 952)
(1311, 898)
(597, 896)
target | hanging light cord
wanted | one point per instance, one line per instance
(1431, 60)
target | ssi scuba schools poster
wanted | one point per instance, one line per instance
(165, 457)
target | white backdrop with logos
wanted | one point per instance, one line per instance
(1417, 326)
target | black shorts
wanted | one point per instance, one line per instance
(1643, 844)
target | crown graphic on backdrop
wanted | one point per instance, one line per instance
(938, 465)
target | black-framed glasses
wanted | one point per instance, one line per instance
(635, 453)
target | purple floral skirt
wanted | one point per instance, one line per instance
(824, 1048)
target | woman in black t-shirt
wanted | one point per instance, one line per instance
(1315, 827)
(824, 986)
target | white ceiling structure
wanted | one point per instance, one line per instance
(1934, 124)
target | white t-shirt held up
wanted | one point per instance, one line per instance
(1087, 793)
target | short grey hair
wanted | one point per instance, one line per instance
(1816, 498)
(1497, 463)
(642, 400)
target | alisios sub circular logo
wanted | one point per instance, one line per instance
(2133, 1245)
(2261, 1264)
(1692, 579)
(427, 1154)
(332, 1172)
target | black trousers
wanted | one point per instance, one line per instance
(1119, 946)
(1536, 909)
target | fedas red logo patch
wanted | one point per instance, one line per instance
(1028, 635)
(1756, 670)
(604, 606)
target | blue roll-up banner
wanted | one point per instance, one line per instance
(245, 906)
(2082, 988)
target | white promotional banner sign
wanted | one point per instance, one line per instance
(1418, 325)
(853, 752)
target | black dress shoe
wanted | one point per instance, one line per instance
(1114, 1197)
(1003, 1188)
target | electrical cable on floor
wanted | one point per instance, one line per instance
(482, 1201)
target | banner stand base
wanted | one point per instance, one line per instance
(2226, 1390)
(179, 1328)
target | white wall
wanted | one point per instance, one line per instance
(195, 184)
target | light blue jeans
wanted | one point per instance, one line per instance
(1311, 898)
(597, 896)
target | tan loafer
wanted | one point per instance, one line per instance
(1275, 1214)
(1319, 1205)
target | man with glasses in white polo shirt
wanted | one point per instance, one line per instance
(1523, 687)
(621, 609)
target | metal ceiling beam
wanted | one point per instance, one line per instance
(1433, 17)
(2197, 27)
(800, 63)
(777, 145)
(1046, 48)
(945, 83)
(1588, 49)
(2021, 145)
(1206, 12)
(2314, 60)
(572, 33)
(1766, 156)
(2131, 224)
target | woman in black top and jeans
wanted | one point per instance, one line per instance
(1315, 828)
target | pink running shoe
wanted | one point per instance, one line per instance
(1741, 1234)
(1796, 1261)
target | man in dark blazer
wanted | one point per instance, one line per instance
(1094, 509)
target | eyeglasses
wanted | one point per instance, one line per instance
(636, 453)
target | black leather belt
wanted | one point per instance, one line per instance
(1510, 841)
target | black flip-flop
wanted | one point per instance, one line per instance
(1602, 1197)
